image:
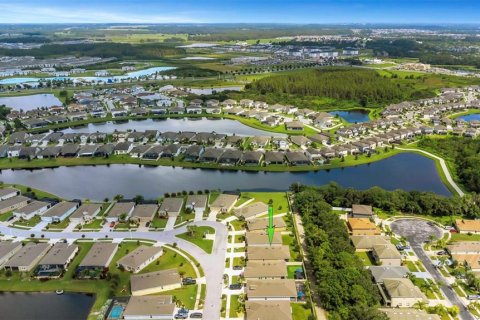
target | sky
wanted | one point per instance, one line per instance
(240, 11)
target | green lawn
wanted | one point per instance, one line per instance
(365, 257)
(237, 225)
(224, 306)
(465, 237)
(289, 240)
(6, 216)
(301, 312)
(95, 224)
(291, 271)
(278, 199)
(234, 306)
(60, 225)
(170, 260)
(238, 261)
(198, 239)
(158, 223)
(32, 191)
(29, 223)
(411, 266)
(186, 295)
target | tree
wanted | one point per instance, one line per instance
(118, 197)
(138, 199)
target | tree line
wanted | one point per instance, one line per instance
(463, 153)
(361, 85)
(344, 287)
(409, 202)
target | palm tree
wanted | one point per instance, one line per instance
(420, 305)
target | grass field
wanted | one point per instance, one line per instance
(366, 258)
(300, 311)
(185, 295)
(198, 239)
(277, 199)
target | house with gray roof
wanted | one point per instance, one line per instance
(119, 209)
(387, 272)
(32, 209)
(86, 212)
(60, 211)
(27, 257)
(171, 207)
(56, 261)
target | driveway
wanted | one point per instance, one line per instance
(213, 264)
(170, 223)
(417, 231)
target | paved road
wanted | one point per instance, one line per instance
(444, 167)
(417, 232)
(212, 264)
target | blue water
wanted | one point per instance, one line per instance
(408, 171)
(116, 312)
(353, 116)
(470, 117)
(31, 102)
(108, 79)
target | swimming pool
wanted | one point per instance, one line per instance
(116, 312)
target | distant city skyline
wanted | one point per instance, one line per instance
(246, 11)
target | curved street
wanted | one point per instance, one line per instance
(212, 264)
(416, 232)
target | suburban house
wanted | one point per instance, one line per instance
(154, 282)
(7, 250)
(400, 293)
(268, 290)
(409, 314)
(31, 209)
(56, 261)
(464, 226)
(294, 125)
(99, 256)
(261, 238)
(223, 203)
(361, 211)
(60, 211)
(149, 307)
(464, 247)
(366, 243)
(267, 252)
(197, 203)
(270, 269)
(251, 211)
(278, 310)
(119, 210)
(362, 227)
(390, 272)
(13, 203)
(86, 212)
(386, 255)
(171, 207)
(27, 257)
(139, 258)
(144, 213)
(6, 193)
(262, 224)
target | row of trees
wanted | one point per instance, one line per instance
(463, 153)
(411, 202)
(343, 285)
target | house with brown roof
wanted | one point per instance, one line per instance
(408, 314)
(171, 207)
(252, 210)
(362, 211)
(262, 224)
(400, 293)
(13, 203)
(466, 226)
(154, 282)
(267, 252)
(86, 212)
(386, 255)
(120, 209)
(255, 238)
(270, 269)
(139, 258)
(366, 243)
(271, 290)
(56, 261)
(149, 307)
(197, 203)
(223, 203)
(362, 226)
(143, 213)
(268, 310)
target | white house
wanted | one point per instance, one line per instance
(60, 211)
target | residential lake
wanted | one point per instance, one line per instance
(353, 116)
(31, 102)
(45, 306)
(408, 171)
(470, 117)
(226, 126)
(212, 90)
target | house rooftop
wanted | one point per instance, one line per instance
(60, 208)
(262, 223)
(120, 208)
(271, 288)
(154, 279)
(150, 307)
(408, 314)
(265, 269)
(268, 310)
(261, 238)
(251, 210)
(145, 210)
(86, 209)
(29, 253)
(99, 255)
(139, 256)
(59, 254)
(268, 252)
(362, 210)
(224, 200)
(31, 207)
(387, 272)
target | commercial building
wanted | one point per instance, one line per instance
(139, 258)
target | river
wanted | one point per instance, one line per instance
(45, 306)
(226, 126)
(408, 171)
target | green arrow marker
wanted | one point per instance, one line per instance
(271, 227)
